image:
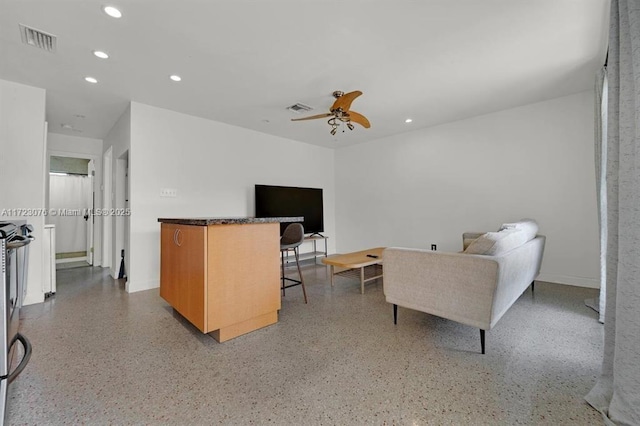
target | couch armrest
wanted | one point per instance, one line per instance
(456, 286)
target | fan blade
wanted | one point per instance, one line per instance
(345, 100)
(360, 119)
(313, 117)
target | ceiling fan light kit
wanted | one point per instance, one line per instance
(340, 112)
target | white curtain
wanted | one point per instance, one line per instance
(600, 136)
(617, 393)
(68, 194)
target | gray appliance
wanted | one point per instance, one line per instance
(14, 263)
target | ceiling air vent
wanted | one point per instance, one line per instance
(37, 38)
(299, 108)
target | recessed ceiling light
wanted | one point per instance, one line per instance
(175, 77)
(408, 120)
(112, 11)
(91, 80)
(100, 54)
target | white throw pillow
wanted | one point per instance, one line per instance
(528, 226)
(496, 243)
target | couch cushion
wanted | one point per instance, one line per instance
(528, 226)
(496, 243)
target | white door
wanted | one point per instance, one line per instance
(88, 216)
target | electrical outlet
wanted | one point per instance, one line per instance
(168, 192)
(434, 247)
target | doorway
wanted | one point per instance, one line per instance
(71, 204)
(121, 256)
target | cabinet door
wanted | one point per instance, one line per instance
(244, 273)
(183, 254)
(169, 265)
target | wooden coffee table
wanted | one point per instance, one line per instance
(369, 268)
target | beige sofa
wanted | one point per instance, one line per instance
(473, 289)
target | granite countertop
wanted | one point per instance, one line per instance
(205, 221)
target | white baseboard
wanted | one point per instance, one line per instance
(569, 280)
(137, 286)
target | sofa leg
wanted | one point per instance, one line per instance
(533, 283)
(395, 314)
(482, 340)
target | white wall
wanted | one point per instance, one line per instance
(80, 147)
(214, 168)
(74, 146)
(430, 185)
(23, 151)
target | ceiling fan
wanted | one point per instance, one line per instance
(340, 113)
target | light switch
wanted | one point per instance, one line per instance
(168, 192)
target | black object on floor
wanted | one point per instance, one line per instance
(122, 274)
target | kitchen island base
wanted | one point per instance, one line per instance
(235, 330)
(222, 275)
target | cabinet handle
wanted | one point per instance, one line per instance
(177, 237)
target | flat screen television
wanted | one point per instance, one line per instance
(279, 201)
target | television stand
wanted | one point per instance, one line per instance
(315, 252)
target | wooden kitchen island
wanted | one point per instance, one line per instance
(222, 274)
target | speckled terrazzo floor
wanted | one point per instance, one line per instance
(102, 356)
